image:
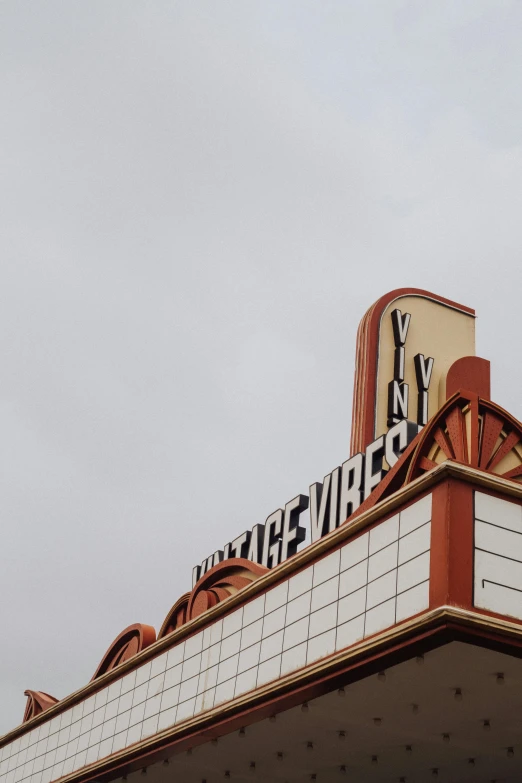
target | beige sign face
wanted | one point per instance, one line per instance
(433, 330)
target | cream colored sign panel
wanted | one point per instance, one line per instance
(434, 330)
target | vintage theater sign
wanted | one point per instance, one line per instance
(404, 612)
(406, 344)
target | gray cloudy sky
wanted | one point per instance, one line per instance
(198, 202)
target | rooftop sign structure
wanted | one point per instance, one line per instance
(379, 651)
(393, 375)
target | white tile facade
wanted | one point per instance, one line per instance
(369, 584)
(498, 555)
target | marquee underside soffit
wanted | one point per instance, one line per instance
(379, 720)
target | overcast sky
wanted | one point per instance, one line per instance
(198, 202)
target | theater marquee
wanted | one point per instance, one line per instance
(376, 653)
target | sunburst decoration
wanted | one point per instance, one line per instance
(37, 702)
(222, 581)
(129, 643)
(473, 431)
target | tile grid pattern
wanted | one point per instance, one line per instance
(498, 555)
(369, 584)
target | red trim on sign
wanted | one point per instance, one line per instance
(439, 587)
(469, 372)
(451, 559)
(461, 538)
